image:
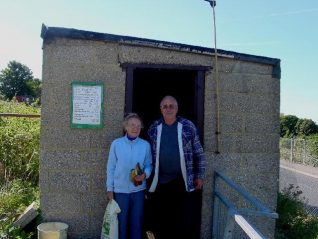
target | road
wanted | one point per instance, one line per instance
(305, 177)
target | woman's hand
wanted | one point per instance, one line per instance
(110, 195)
(140, 178)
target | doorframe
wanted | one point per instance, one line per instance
(199, 87)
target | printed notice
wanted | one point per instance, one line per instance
(87, 105)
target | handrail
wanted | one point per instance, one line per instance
(247, 211)
(235, 215)
(244, 211)
(245, 194)
(248, 229)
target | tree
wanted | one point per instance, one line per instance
(13, 80)
(306, 127)
(34, 86)
(287, 125)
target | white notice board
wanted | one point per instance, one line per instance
(87, 105)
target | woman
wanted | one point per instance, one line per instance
(129, 164)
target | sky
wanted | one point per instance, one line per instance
(283, 29)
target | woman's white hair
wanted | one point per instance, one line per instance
(132, 116)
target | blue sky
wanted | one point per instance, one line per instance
(284, 29)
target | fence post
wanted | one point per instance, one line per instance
(291, 150)
(304, 151)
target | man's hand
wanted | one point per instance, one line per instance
(198, 183)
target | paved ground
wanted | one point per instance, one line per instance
(305, 177)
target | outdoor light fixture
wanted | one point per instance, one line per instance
(212, 2)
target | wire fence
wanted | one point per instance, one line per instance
(297, 151)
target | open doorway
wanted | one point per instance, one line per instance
(147, 85)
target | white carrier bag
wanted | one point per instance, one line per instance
(110, 221)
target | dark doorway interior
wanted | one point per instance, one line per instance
(145, 88)
(151, 85)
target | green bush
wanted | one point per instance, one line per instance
(19, 143)
(312, 141)
(19, 166)
(293, 221)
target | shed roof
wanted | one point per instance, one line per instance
(52, 32)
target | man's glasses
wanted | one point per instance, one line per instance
(171, 107)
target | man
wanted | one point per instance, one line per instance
(179, 170)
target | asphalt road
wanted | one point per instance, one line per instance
(305, 177)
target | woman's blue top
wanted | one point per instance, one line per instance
(124, 154)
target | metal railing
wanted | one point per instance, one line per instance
(227, 217)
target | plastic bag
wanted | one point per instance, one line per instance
(110, 221)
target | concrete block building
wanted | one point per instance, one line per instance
(135, 74)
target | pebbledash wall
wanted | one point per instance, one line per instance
(72, 167)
